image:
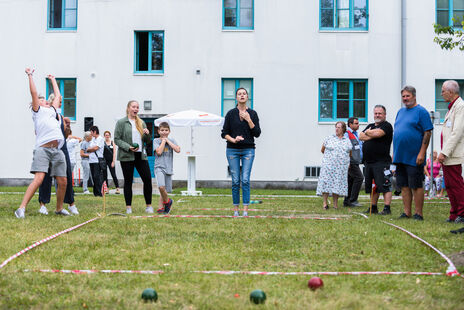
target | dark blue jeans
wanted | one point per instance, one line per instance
(237, 158)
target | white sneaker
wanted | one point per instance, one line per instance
(43, 210)
(73, 210)
(245, 213)
(128, 210)
(87, 192)
(20, 213)
(236, 213)
(63, 212)
(149, 209)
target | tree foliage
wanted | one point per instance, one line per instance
(449, 37)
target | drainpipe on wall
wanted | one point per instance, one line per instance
(403, 43)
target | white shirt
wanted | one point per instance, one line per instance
(47, 127)
(72, 144)
(93, 156)
(136, 137)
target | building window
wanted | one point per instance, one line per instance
(440, 104)
(62, 14)
(237, 14)
(149, 52)
(229, 87)
(344, 15)
(449, 9)
(342, 99)
(68, 94)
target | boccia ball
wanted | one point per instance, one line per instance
(258, 297)
(135, 145)
(149, 294)
(315, 283)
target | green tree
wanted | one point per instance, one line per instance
(449, 37)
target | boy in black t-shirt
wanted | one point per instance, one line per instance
(377, 139)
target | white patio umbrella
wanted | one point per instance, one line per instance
(191, 118)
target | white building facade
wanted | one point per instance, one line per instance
(306, 64)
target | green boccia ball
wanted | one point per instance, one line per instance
(258, 297)
(149, 295)
(135, 145)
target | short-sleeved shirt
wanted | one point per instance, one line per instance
(84, 146)
(72, 144)
(47, 126)
(164, 161)
(410, 126)
(378, 149)
(100, 142)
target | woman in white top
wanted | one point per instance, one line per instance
(129, 135)
(47, 153)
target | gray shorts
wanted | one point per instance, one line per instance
(49, 157)
(163, 179)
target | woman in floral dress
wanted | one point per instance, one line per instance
(335, 162)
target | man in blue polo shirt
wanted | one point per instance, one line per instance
(411, 138)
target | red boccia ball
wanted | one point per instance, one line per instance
(315, 283)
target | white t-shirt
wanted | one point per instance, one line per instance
(72, 144)
(47, 127)
(136, 137)
(93, 156)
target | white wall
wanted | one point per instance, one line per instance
(286, 54)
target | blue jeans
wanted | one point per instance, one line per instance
(246, 156)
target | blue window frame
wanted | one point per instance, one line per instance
(449, 9)
(237, 14)
(342, 99)
(62, 15)
(344, 15)
(440, 104)
(149, 52)
(229, 87)
(68, 93)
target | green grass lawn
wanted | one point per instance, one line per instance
(179, 246)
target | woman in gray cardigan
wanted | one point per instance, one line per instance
(129, 135)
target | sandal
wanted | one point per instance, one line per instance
(326, 207)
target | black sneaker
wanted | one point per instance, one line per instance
(374, 210)
(404, 216)
(167, 206)
(385, 211)
(459, 219)
(418, 217)
(448, 220)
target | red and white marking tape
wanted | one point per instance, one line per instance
(327, 273)
(36, 244)
(91, 271)
(451, 270)
(232, 272)
(231, 216)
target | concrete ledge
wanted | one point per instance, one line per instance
(296, 185)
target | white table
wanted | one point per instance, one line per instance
(191, 177)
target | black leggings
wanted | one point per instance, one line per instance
(113, 173)
(144, 171)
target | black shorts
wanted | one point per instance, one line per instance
(409, 176)
(379, 173)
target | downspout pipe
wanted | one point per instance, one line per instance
(403, 43)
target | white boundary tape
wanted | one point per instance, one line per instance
(36, 244)
(232, 272)
(245, 217)
(451, 270)
(258, 210)
(363, 215)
